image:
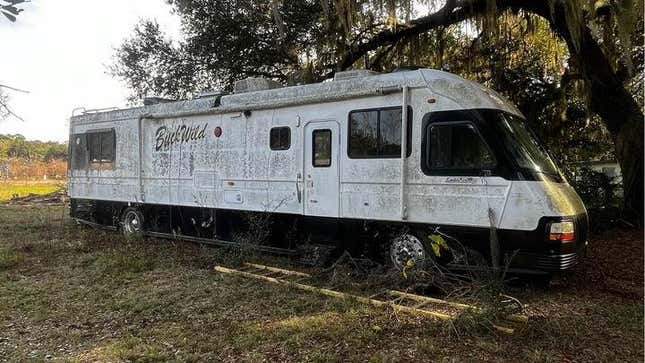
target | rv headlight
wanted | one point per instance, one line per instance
(562, 231)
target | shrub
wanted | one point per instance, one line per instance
(600, 193)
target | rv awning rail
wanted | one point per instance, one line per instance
(279, 104)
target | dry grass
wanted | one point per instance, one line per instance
(75, 294)
(25, 187)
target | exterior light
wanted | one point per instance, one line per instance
(562, 231)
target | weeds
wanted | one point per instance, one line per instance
(21, 188)
(80, 294)
(10, 258)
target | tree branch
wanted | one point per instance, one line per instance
(381, 54)
(453, 12)
(13, 88)
(10, 112)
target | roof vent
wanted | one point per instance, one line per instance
(255, 84)
(357, 73)
(148, 101)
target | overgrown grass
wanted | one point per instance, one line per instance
(76, 294)
(23, 188)
(10, 258)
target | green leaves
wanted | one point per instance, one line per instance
(437, 243)
(224, 41)
(408, 266)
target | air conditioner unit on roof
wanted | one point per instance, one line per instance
(357, 73)
(252, 84)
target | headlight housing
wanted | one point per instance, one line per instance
(564, 231)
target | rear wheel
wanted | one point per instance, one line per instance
(132, 223)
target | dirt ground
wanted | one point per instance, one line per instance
(71, 293)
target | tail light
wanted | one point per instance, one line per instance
(562, 231)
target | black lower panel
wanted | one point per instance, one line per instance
(106, 213)
(529, 250)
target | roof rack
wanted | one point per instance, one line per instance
(84, 111)
(154, 100)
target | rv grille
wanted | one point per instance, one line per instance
(547, 263)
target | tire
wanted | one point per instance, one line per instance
(406, 246)
(428, 251)
(132, 223)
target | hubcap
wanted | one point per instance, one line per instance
(407, 247)
(132, 224)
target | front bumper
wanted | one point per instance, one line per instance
(544, 263)
(547, 257)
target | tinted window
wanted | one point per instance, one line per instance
(101, 147)
(377, 133)
(457, 147)
(280, 138)
(321, 148)
(107, 146)
(363, 131)
(94, 147)
(79, 149)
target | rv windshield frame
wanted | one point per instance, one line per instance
(526, 149)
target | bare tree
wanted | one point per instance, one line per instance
(9, 10)
(5, 110)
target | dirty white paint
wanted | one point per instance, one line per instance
(184, 163)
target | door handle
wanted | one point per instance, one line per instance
(313, 201)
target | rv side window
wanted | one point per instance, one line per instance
(321, 145)
(377, 133)
(94, 144)
(280, 138)
(107, 146)
(458, 148)
(78, 147)
(101, 147)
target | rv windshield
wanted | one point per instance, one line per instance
(524, 146)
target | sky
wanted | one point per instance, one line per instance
(59, 51)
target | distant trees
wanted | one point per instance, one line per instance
(23, 169)
(22, 159)
(16, 146)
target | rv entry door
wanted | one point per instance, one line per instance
(322, 141)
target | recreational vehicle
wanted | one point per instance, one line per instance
(358, 161)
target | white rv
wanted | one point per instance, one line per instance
(344, 160)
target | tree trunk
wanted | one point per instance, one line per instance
(619, 111)
(624, 120)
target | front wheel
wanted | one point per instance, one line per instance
(407, 250)
(132, 223)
